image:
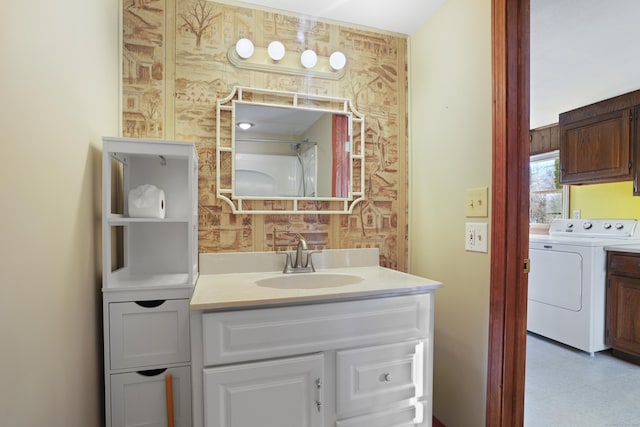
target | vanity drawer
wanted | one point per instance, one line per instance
(375, 377)
(237, 336)
(147, 333)
(404, 416)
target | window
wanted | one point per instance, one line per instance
(548, 199)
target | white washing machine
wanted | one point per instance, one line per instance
(568, 277)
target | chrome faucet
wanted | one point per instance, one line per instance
(298, 265)
(301, 246)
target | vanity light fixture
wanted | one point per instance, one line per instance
(244, 48)
(276, 50)
(274, 58)
(309, 59)
(337, 60)
(245, 125)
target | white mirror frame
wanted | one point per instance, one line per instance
(225, 146)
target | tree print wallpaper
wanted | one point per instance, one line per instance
(175, 67)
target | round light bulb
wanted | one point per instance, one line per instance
(276, 50)
(245, 125)
(244, 48)
(309, 58)
(337, 60)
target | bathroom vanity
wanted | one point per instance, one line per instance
(348, 345)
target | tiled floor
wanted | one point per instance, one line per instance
(568, 388)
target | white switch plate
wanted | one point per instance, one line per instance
(476, 237)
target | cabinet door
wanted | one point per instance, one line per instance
(596, 148)
(623, 314)
(544, 140)
(275, 393)
(139, 398)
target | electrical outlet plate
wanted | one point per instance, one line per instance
(476, 202)
(476, 237)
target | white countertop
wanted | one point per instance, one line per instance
(634, 248)
(241, 290)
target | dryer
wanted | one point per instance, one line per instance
(566, 295)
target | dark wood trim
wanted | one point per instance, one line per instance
(510, 211)
(610, 105)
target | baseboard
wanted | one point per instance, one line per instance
(436, 423)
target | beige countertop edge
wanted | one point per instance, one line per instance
(238, 291)
(633, 248)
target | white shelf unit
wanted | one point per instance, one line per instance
(150, 266)
(156, 252)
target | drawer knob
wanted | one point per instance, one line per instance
(387, 377)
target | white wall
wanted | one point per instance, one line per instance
(59, 95)
(450, 128)
(583, 56)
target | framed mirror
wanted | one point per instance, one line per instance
(286, 152)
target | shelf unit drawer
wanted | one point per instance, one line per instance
(371, 378)
(237, 336)
(148, 333)
(139, 398)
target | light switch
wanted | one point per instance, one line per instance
(476, 202)
(476, 237)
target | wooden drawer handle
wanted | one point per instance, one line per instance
(168, 382)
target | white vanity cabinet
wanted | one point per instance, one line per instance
(150, 266)
(363, 363)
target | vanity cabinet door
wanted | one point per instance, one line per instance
(275, 393)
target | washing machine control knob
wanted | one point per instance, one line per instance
(619, 226)
(607, 226)
(587, 225)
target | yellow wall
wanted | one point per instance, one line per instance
(450, 151)
(59, 95)
(614, 200)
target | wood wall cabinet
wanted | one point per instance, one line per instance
(150, 266)
(597, 142)
(544, 139)
(596, 149)
(623, 304)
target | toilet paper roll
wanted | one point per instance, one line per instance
(147, 201)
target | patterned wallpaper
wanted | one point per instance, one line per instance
(175, 67)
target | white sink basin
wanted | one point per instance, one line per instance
(309, 281)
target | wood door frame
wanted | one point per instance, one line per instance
(510, 213)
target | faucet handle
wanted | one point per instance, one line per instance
(310, 259)
(288, 266)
